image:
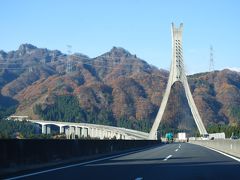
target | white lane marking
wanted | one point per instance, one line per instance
(139, 178)
(78, 164)
(235, 158)
(176, 150)
(167, 157)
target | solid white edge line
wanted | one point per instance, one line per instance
(235, 158)
(78, 164)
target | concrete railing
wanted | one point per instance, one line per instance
(228, 146)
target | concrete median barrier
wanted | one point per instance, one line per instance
(228, 146)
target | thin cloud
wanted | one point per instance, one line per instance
(237, 69)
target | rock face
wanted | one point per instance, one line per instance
(118, 82)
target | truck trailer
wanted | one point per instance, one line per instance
(182, 137)
(169, 137)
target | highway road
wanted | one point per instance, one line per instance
(170, 161)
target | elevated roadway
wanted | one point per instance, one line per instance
(92, 130)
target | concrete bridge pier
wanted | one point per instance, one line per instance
(48, 129)
(111, 134)
(67, 132)
(114, 135)
(44, 129)
(84, 132)
(93, 132)
(72, 132)
(104, 134)
(117, 135)
(100, 132)
(38, 128)
(90, 131)
(78, 131)
(96, 133)
(61, 129)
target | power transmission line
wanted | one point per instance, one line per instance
(11, 63)
(211, 63)
(69, 63)
(90, 62)
(12, 68)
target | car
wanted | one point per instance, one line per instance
(205, 137)
(234, 137)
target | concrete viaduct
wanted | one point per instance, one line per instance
(90, 130)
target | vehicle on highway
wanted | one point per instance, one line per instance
(234, 137)
(205, 137)
(169, 137)
(220, 135)
(182, 137)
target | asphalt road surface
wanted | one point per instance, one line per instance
(170, 161)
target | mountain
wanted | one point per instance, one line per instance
(115, 88)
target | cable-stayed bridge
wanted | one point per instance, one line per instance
(177, 74)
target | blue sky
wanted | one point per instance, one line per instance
(93, 27)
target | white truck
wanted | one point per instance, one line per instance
(182, 137)
(217, 136)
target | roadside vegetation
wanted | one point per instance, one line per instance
(229, 130)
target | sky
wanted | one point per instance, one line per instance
(143, 27)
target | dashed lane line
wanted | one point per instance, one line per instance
(167, 158)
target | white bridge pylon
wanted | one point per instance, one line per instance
(177, 73)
